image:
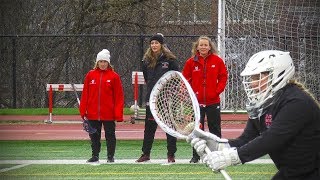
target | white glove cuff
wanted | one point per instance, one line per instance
(232, 156)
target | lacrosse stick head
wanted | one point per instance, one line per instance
(174, 105)
(87, 127)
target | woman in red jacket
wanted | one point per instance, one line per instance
(102, 102)
(207, 75)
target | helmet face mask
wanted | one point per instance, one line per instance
(265, 73)
(257, 87)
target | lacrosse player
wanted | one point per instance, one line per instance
(102, 102)
(207, 75)
(157, 61)
(284, 122)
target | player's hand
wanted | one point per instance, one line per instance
(218, 160)
(199, 140)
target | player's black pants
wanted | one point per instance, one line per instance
(109, 129)
(213, 119)
(150, 128)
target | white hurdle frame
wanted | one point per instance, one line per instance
(58, 87)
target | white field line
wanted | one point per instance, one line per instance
(117, 161)
(13, 167)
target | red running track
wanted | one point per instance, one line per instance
(73, 131)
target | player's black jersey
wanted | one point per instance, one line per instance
(289, 131)
(152, 75)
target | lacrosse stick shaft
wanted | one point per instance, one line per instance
(75, 92)
(85, 123)
(223, 172)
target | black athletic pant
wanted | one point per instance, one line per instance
(150, 128)
(109, 129)
(213, 119)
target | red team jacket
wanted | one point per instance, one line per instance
(102, 96)
(207, 77)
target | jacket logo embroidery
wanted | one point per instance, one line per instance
(92, 81)
(165, 65)
(268, 120)
(213, 66)
(196, 68)
(108, 81)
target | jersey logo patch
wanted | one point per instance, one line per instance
(268, 120)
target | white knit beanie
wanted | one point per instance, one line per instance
(103, 55)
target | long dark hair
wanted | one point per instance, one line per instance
(152, 58)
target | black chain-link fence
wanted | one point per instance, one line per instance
(53, 42)
(31, 62)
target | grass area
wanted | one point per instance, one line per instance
(137, 171)
(126, 149)
(80, 149)
(44, 111)
(62, 149)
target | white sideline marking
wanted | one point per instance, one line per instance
(14, 167)
(117, 161)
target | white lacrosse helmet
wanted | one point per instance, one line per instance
(279, 68)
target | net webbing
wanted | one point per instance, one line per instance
(174, 105)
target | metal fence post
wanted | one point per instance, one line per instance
(14, 75)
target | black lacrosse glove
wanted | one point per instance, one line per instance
(87, 127)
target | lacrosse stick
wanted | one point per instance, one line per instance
(175, 107)
(85, 123)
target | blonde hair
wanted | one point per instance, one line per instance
(96, 65)
(152, 58)
(195, 45)
(302, 87)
